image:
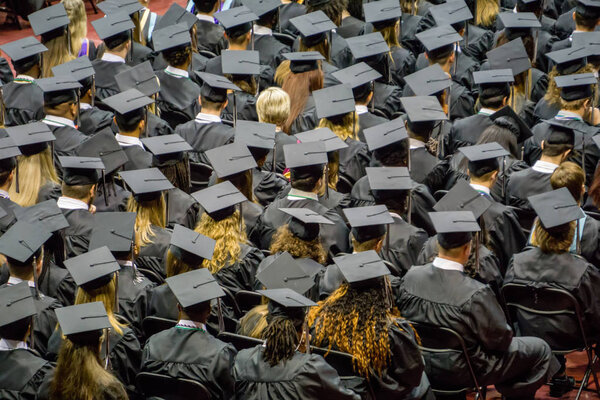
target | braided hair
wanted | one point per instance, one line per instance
(281, 340)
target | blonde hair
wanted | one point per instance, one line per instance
(77, 22)
(107, 295)
(555, 240)
(254, 322)
(58, 53)
(486, 12)
(149, 213)
(176, 266)
(35, 171)
(285, 240)
(228, 236)
(273, 106)
(342, 126)
(390, 35)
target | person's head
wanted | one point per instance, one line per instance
(238, 40)
(118, 44)
(502, 132)
(178, 173)
(132, 123)
(420, 130)
(553, 92)
(393, 155)
(569, 175)
(307, 179)
(30, 66)
(282, 337)
(58, 53)
(344, 126)
(585, 21)
(18, 330)
(35, 171)
(494, 97)
(484, 172)
(24, 270)
(443, 56)
(7, 172)
(369, 244)
(77, 22)
(273, 106)
(177, 266)
(285, 241)
(206, 6)
(107, 295)
(269, 20)
(61, 104)
(198, 312)
(254, 323)
(332, 8)
(149, 212)
(178, 57)
(556, 240)
(458, 253)
(396, 201)
(486, 12)
(299, 86)
(85, 193)
(559, 144)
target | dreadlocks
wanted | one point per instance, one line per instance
(281, 340)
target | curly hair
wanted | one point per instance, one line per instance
(178, 174)
(556, 240)
(175, 266)
(552, 95)
(356, 322)
(281, 340)
(178, 56)
(285, 240)
(228, 234)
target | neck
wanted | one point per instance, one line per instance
(580, 112)
(122, 53)
(6, 185)
(450, 258)
(33, 72)
(583, 28)
(183, 66)
(487, 184)
(211, 111)
(135, 133)
(24, 275)
(554, 159)
(57, 113)
(86, 99)
(241, 46)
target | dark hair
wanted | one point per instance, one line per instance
(393, 155)
(281, 340)
(501, 135)
(76, 191)
(305, 184)
(178, 56)
(355, 8)
(178, 173)
(553, 150)
(269, 19)
(15, 330)
(588, 23)
(26, 64)
(131, 120)
(204, 6)
(333, 9)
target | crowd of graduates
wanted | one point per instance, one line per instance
(260, 199)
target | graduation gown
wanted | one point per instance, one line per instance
(281, 139)
(565, 25)
(466, 132)
(133, 290)
(6, 74)
(563, 271)
(354, 159)
(210, 37)
(174, 352)
(106, 85)
(203, 137)
(406, 242)
(270, 50)
(117, 198)
(246, 107)
(304, 376)
(525, 183)
(79, 231)
(24, 102)
(518, 366)
(49, 190)
(158, 126)
(307, 120)
(544, 110)
(288, 11)
(422, 163)
(368, 120)
(138, 158)
(240, 275)
(350, 27)
(67, 139)
(266, 185)
(93, 120)
(22, 373)
(177, 99)
(386, 99)
(404, 63)
(152, 255)
(56, 282)
(183, 209)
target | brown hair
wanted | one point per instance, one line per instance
(390, 35)
(254, 322)
(556, 240)
(569, 175)
(149, 213)
(594, 191)
(285, 240)
(552, 95)
(281, 339)
(299, 87)
(107, 295)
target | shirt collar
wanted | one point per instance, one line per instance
(262, 30)
(203, 118)
(85, 106)
(15, 281)
(69, 203)
(361, 109)
(568, 115)
(22, 78)
(486, 111)
(296, 194)
(53, 120)
(480, 188)
(109, 57)
(187, 324)
(8, 345)
(126, 141)
(4, 194)
(443, 263)
(544, 167)
(176, 72)
(203, 17)
(415, 143)
(394, 215)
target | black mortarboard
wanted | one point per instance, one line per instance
(305, 222)
(104, 145)
(454, 228)
(23, 240)
(93, 269)
(334, 100)
(325, 135)
(171, 37)
(255, 135)
(528, 5)
(428, 81)
(585, 39)
(194, 287)
(451, 13)
(483, 158)
(462, 197)
(140, 77)
(369, 45)
(303, 61)
(80, 170)
(58, 90)
(362, 269)
(23, 51)
(569, 60)
(382, 13)
(236, 21)
(146, 184)
(515, 123)
(8, 153)
(423, 109)
(383, 135)
(368, 222)
(589, 9)
(16, 303)
(576, 87)
(299, 155)
(215, 87)
(80, 69)
(287, 298)
(114, 29)
(83, 323)
(49, 22)
(45, 214)
(285, 272)
(219, 200)
(230, 159)
(262, 7)
(32, 138)
(128, 101)
(191, 247)
(240, 62)
(176, 15)
(389, 178)
(115, 230)
(313, 27)
(559, 133)
(493, 77)
(358, 77)
(557, 207)
(167, 148)
(439, 41)
(519, 20)
(510, 55)
(128, 7)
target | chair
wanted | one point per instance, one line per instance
(168, 388)
(207, 53)
(344, 184)
(284, 38)
(230, 300)
(440, 340)
(199, 176)
(153, 276)
(340, 361)
(547, 301)
(439, 194)
(152, 325)
(240, 342)
(247, 300)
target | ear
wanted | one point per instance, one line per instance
(142, 125)
(494, 175)
(93, 190)
(573, 15)
(542, 144)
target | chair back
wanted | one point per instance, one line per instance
(284, 38)
(207, 53)
(340, 361)
(240, 342)
(344, 184)
(168, 388)
(152, 325)
(199, 176)
(247, 300)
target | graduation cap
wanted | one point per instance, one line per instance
(519, 20)
(451, 13)
(423, 109)
(167, 148)
(8, 153)
(528, 5)
(128, 7)
(171, 37)
(333, 101)
(303, 61)
(32, 138)
(83, 323)
(325, 135)
(512, 55)
(114, 29)
(287, 298)
(515, 123)
(483, 158)
(362, 269)
(589, 9)
(385, 134)
(24, 52)
(576, 87)
(45, 214)
(569, 60)
(560, 133)
(146, 184)
(389, 178)
(80, 170)
(140, 77)
(59, 90)
(128, 101)
(454, 228)
(230, 159)
(286, 272)
(557, 207)
(236, 21)
(215, 87)
(105, 146)
(259, 137)
(176, 15)
(305, 223)
(462, 197)
(585, 39)
(240, 62)
(115, 231)
(313, 27)
(262, 7)
(16, 303)
(80, 69)
(191, 247)
(382, 13)
(493, 77)
(428, 81)
(366, 46)
(368, 222)
(49, 22)
(219, 200)
(194, 287)
(359, 77)
(23, 240)
(439, 41)
(93, 269)
(299, 155)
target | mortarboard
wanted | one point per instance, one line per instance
(236, 21)
(230, 159)
(93, 269)
(191, 247)
(49, 22)
(166, 148)
(23, 240)
(298, 155)
(140, 77)
(22, 51)
(560, 133)
(303, 61)
(32, 138)
(528, 5)
(194, 287)
(313, 27)
(389, 178)
(493, 77)
(334, 100)
(454, 228)
(105, 146)
(82, 323)
(305, 222)
(128, 7)
(262, 7)
(325, 135)
(515, 123)
(171, 37)
(557, 207)
(146, 184)
(362, 269)
(128, 101)
(510, 55)
(451, 13)
(255, 135)
(423, 109)
(576, 87)
(80, 69)
(585, 39)
(16, 303)
(114, 230)
(369, 45)
(385, 134)
(176, 15)
(240, 62)
(519, 20)
(382, 13)
(215, 87)
(462, 197)
(589, 9)
(358, 77)
(289, 304)
(45, 214)
(80, 170)
(368, 222)
(439, 40)
(569, 60)
(483, 157)
(219, 200)
(287, 298)
(285, 272)
(428, 81)
(8, 153)
(58, 90)
(114, 29)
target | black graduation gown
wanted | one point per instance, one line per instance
(350, 27)
(404, 63)
(544, 110)
(158, 126)
(177, 99)
(512, 165)
(266, 185)
(133, 297)
(466, 132)
(368, 120)
(386, 99)
(78, 233)
(138, 158)
(6, 74)
(210, 37)
(117, 199)
(93, 120)
(49, 190)
(183, 209)
(270, 50)
(304, 376)
(307, 120)
(24, 103)
(22, 373)
(590, 246)
(57, 282)
(281, 139)
(246, 107)
(563, 271)
(152, 255)
(203, 137)
(406, 242)
(422, 163)
(354, 159)
(287, 12)
(9, 219)
(67, 140)
(240, 275)
(174, 352)
(518, 366)
(525, 183)
(565, 25)
(106, 85)
(461, 71)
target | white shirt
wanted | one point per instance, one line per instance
(176, 72)
(443, 263)
(415, 143)
(85, 106)
(203, 17)
(262, 30)
(15, 281)
(4, 194)
(24, 79)
(69, 203)
(296, 194)
(567, 115)
(360, 109)
(203, 118)
(486, 111)
(53, 120)
(113, 58)
(126, 141)
(544, 167)
(8, 345)
(394, 215)
(480, 188)
(186, 323)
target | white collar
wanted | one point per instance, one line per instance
(176, 72)
(567, 115)
(480, 188)
(415, 143)
(442, 263)
(8, 345)
(262, 30)
(203, 118)
(544, 167)
(112, 58)
(24, 79)
(126, 141)
(188, 324)
(203, 17)
(85, 106)
(53, 120)
(394, 215)
(486, 111)
(296, 194)
(361, 109)
(15, 281)
(4, 194)
(69, 203)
